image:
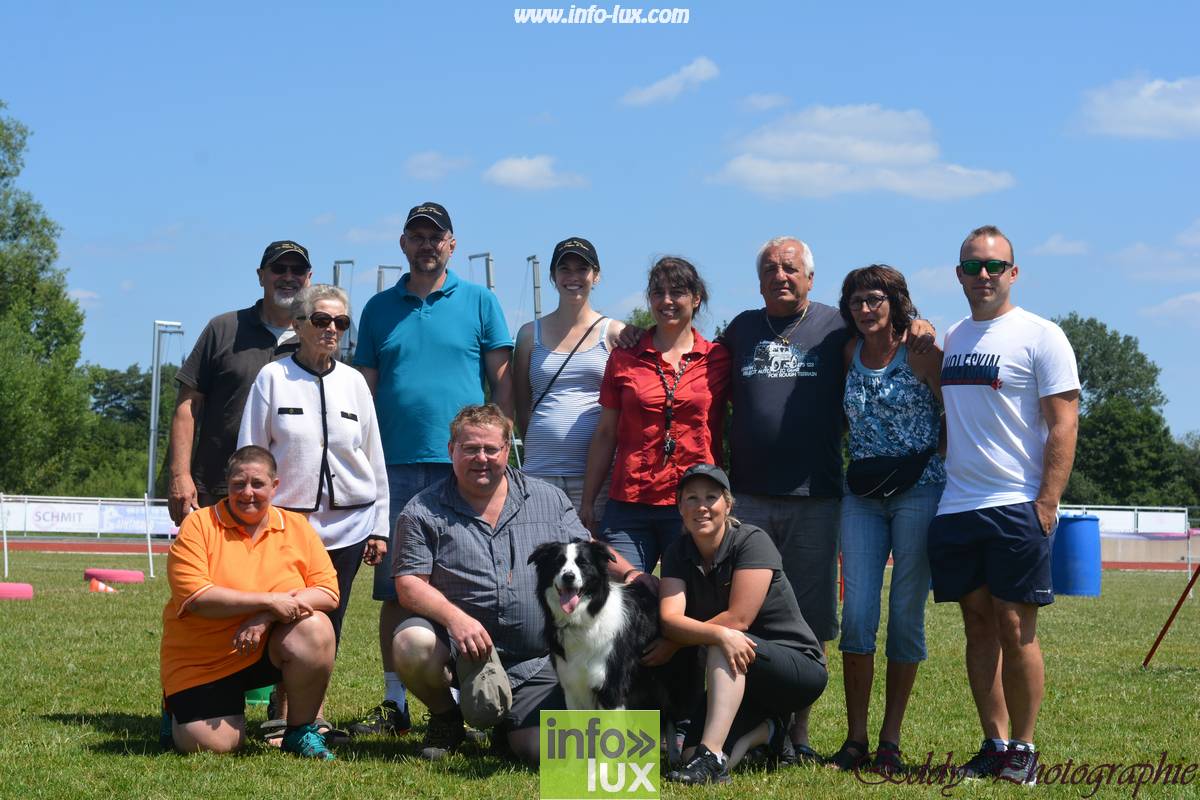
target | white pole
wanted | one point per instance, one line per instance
(537, 287)
(149, 548)
(4, 528)
(160, 327)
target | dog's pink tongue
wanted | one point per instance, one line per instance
(568, 599)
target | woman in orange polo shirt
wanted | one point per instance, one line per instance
(251, 585)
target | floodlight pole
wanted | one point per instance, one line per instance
(537, 286)
(379, 273)
(161, 328)
(487, 268)
(338, 266)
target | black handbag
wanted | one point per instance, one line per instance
(882, 477)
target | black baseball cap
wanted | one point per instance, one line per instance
(577, 245)
(710, 471)
(281, 248)
(434, 212)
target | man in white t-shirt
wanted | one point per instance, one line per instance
(1011, 389)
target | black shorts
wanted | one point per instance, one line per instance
(224, 697)
(1002, 548)
(781, 679)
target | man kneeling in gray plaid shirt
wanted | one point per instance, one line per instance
(461, 566)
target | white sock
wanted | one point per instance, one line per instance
(1000, 744)
(394, 690)
(455, 694)
(1017, 744)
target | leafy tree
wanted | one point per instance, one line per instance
(1126, 456)
(640, 317)
(43, 397)
(1110, 365)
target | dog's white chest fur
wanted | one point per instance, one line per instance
(587, 642)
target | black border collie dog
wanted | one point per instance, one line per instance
(596, 629)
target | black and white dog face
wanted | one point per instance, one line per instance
(570, 575)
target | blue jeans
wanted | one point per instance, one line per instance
(404, 482)
(640, 532)
(871, 530)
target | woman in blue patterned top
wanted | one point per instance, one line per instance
(892, 401)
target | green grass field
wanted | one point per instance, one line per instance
(79, 716)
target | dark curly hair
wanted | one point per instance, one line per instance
(885, 279)
(677, 273)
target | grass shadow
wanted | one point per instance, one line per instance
(136, 734)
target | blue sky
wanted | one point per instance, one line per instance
(172, 143)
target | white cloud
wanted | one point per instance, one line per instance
(530, 172)
(1159, 263)
(670, 87)
(826, 150)
(328, 218)
(866, 134)
(1059, 245)
(1190, 236)
(764, 102)
(85, 297)
(1142, 108)
(1184, 308)
(387, 229)
(430, 165)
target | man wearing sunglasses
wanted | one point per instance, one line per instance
(1011, 390)
(216, 378)
(423, 346)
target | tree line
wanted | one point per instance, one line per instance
(71, 428)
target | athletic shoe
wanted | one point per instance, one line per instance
(704, 767)
(987, 763)
(307, 742)
(385, 719)
(445, 734)
(1020, 766)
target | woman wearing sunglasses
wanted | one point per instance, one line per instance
(317, 418)
(892, 401)
(662, 410)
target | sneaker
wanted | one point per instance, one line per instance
(307, 742)
(987, 763)
(704, 767)
(385, 719)
(1020, 766)
(445, 734)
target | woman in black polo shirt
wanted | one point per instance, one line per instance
(723, 586)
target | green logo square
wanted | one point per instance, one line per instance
(587, 754)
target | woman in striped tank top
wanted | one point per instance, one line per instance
(558, 424)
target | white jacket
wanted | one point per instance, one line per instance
(321, 428)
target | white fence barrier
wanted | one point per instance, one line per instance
(95, 516)
(1142, 534)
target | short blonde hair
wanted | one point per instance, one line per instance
(479, 416)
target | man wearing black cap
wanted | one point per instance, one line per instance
(423, 346)
(216, 379)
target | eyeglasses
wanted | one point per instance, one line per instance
(872, 301)
(993, 266)
(417, 240)
(296, 269)
(473, 450)
(320, 319)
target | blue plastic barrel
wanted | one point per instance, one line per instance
(1075, 560)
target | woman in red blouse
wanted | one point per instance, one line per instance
(662, 410)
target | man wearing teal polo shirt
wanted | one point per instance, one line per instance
(425, 346)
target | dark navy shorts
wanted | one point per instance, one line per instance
(1002, 548)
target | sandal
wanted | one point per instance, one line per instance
(332, 735)
(850, 757)
(887, 759)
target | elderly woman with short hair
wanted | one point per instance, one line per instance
(317, 417)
